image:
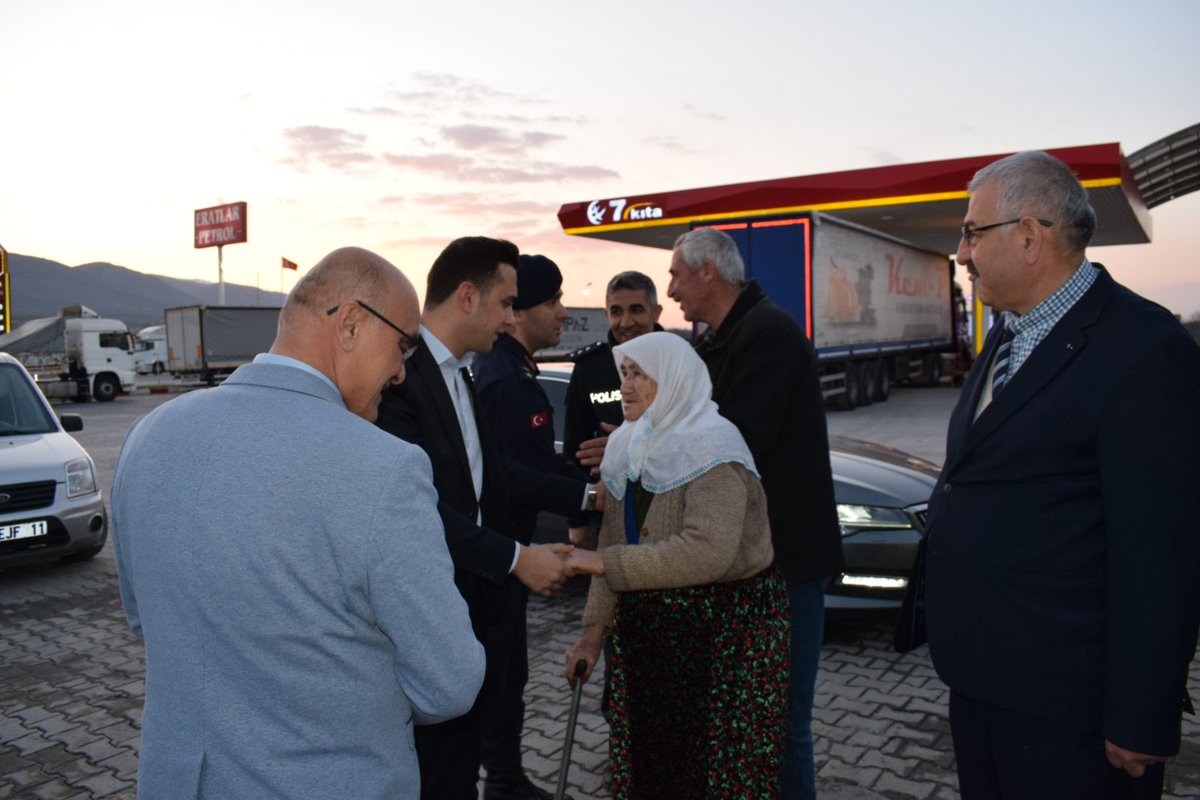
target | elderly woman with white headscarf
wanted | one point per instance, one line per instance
(685, 582)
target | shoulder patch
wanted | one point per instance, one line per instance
(586, 350)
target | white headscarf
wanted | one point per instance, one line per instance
(681, 435)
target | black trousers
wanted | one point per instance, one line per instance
(501, 701)
(1007, 755)
(451, 753)
(448, 755)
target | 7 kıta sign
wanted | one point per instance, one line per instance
(221, 225)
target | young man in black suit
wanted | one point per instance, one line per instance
(468, 299)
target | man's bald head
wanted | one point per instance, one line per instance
(346, 272)
(326, 323)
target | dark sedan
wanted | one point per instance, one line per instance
(881, 497)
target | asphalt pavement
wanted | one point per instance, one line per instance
(72, 675)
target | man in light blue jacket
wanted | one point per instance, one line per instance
(284, 561)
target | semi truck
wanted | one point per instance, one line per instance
(210, 342)
(76, 355)
(150, 350)
(877, 309)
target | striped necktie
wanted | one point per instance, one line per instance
(1003, 356)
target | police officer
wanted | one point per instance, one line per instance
(521, 416)
(594, 394)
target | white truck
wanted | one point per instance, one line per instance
(210, 342)
(150, 350)
(77, 355)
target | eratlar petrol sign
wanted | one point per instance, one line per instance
(221, 225)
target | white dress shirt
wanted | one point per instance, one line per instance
(460, 395)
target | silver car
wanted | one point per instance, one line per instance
(50, 503)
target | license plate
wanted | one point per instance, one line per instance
(23, 530)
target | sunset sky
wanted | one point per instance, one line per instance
(399, 126)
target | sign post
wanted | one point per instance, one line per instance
(218, 226)
(5, 311)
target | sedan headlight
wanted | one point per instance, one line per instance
(80, 478)
(853, 519)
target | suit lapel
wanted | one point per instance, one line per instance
(1047, 361)
(434, 387)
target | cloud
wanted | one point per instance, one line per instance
(466, 169)
(332, 147)
(443, 89)
(476, 204)
(704, 114)
(377, 111)
(444, 164)
(496, 140)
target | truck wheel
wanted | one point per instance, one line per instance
(866, 383)
(932, 374)
(850, 389)
(105, 388)
(883, 380)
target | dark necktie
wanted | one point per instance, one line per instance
(1003, 356)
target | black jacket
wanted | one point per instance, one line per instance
(765, 381)
(1062, 537)
(520, 414)
(420, 411)
(593, 395)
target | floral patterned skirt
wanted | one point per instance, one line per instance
(700, 691)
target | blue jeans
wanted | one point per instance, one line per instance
(807, 602)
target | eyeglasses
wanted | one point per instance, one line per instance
(406, 352)
(970, 232)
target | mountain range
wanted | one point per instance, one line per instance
(40, 287)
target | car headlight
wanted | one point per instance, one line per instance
(80, 478)
(853, 519)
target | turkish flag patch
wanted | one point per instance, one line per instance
(539, 420)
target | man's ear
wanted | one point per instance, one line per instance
(467, 297)
(349, 322)
(657, 312)
(1033, 239)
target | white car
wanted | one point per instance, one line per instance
(50, 503)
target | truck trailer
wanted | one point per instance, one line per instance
(210, 342)
(77, 355)
(877, 310)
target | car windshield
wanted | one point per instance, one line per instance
(21, 409)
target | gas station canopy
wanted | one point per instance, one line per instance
(920, 203)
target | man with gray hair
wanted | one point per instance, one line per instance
(765, 381)
(1060, 596)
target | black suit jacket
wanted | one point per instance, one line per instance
(1063, 544)
(421, 411)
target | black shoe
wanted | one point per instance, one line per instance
(514, 787)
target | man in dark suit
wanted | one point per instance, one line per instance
(1061, 596)
(468, 299)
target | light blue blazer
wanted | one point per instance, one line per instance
(284, 561)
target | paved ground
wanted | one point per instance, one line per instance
(72, 676)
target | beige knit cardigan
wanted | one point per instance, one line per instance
(710, 530)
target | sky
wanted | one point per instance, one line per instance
(399, 126)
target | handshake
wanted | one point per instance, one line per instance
(545, 567)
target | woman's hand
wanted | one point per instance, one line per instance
(585, 562)
(586, 648)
